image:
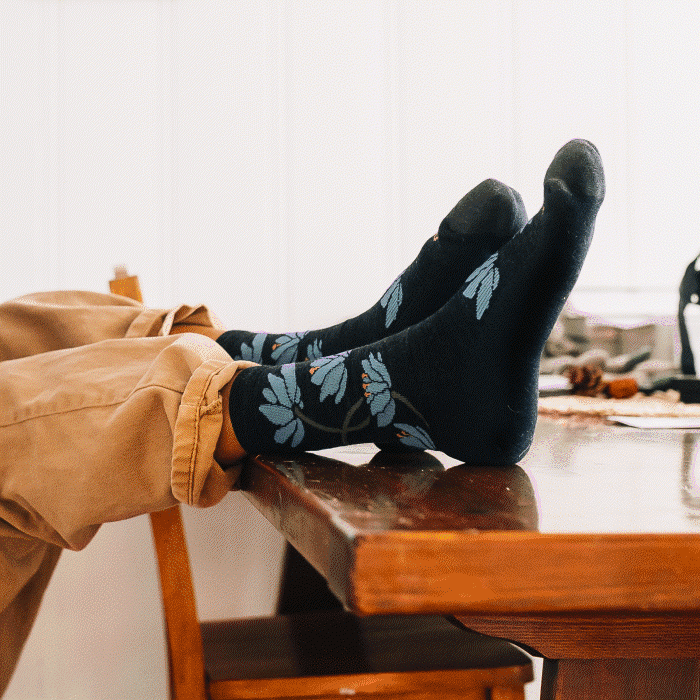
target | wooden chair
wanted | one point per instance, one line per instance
(318, 654)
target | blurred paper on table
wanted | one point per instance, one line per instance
(658, 422)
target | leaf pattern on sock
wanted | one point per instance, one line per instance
(413, 436)
(392, 300)
(377, 386)
(331, 374)
(313, 350)
(286, 347)
(484, 279)
(252, 352)
(283, 397)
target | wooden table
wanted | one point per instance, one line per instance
(587, 553)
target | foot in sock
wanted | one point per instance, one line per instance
(469, 234)
(463, 381)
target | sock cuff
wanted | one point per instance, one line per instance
(242, 400)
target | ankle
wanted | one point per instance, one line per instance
(228, 449)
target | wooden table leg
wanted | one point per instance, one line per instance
(620, 679)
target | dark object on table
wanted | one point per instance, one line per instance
(687, 386)
(689, 292)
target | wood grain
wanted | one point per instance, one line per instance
(621, 679)
(127, 286)
(517, 573)
(184, 637)
(599, 636)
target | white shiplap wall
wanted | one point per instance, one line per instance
(282, 161)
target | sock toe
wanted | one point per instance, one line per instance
(490, 201)
(577, 170)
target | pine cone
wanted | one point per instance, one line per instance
(587, 380)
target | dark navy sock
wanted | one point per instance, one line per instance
(468, 235)
(463, 381)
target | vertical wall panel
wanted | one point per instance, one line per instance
(25, 103)
(664, 141)
(570, 73)
(226, 157)
(236, 558)
(456, 118)
(81, 87)
(99, 630)
(338, 159)
(110, 90)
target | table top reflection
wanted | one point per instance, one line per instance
(595, 517)
(590, 476)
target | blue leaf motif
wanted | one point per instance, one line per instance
(488, 284)
(280, 390)
(377, 386)
(392, 300)
(313, 350)
(331, 374)
(286, 347)
(253, 352)
(276, 414)
(283, 396)
(413, 436)
(288, 373)
(294, 430)
(484, 279)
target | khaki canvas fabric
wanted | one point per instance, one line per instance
(103, 416)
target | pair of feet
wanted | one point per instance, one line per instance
(448, 358)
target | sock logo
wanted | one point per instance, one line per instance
(484, 279)
(392, 300)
